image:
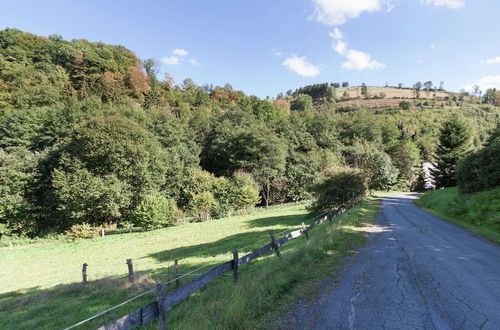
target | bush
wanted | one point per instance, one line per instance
(405, 105)
(337, 188)
(153, 212)
(480, 170)
(82, 230)
(244, 191)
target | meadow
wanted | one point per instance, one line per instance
(41, 285)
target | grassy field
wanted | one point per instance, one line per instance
(40, 284)
(479, 212)
(391, 92)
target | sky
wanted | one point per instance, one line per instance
(264, 47)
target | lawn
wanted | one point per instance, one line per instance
(479, 212)
(41, 287)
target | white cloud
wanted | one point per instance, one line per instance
(356, 60)
(359, 61)
(432, 46)
(337, 12)
(301, 66)
(180, 52)
(277, 52)
(170, 60)
(485, 82)
(493, 60)
(340, 47)
(336, 34)
(193, 62)
(454, 4)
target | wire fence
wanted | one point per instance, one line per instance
(189, 273)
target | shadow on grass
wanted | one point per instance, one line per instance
(236, 242)
(67, 304)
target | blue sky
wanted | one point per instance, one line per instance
(268, 46)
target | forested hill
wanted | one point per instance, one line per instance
(90, 134)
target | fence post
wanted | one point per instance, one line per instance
(176, 273)
(275, 245)
(162, 313)
(304, 230)
(84, 273)
(235, 265)
(130, 270)
(103, 232)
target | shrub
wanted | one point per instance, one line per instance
(82, 230)
(244, 191)
(337, 188)
(480, 170)
(153, 212)
(405, 105)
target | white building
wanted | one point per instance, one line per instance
(429, 183)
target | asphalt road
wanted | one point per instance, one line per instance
(420, 272)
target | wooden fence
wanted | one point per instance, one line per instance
(148, 313)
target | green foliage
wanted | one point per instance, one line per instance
(337, 188)
(454, 142)
(405, 105)
(490, 97)
(376, 165)
(302, 102)
(88, 132)
(153, 212)
(480, 170)
(81, 231)
(406, 158)
(17, 173)
(478, 212)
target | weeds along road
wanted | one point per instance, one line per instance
(420, 272)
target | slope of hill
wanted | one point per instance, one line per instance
(390, 93)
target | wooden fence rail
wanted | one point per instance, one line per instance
(148, 313)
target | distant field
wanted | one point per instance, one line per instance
(371, 103)
(391, 92)
(40, 286)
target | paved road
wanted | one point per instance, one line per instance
(421, 272)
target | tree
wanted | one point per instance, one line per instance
(454, 140)
(336, 85)
(428, 87)
(476, 89)
(302, 102)
(480, 170)
(336, 188)
(400, 85)
(417, 87)
(104, 169)
(490, 97)
(364, 90)
(345, 84)
(406, 158)
(441, 85)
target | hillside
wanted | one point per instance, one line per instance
(390, 93)
(91, 138)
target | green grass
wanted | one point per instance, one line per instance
(40, 284)
(479, 212)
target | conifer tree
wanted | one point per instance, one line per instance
(454, 141)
